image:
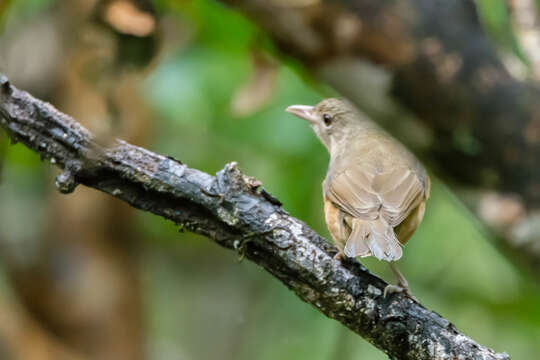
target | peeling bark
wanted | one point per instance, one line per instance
(237, 213)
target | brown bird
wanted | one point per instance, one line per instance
(375, 190)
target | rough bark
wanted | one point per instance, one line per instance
(433, 59)
(237, 213)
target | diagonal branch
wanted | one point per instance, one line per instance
(237, 213)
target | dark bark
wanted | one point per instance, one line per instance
(236, 212)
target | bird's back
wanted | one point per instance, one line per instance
(378, 184)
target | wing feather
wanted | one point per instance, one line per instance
(365, 192)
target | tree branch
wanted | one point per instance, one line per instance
(236, 212)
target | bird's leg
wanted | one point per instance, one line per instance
(402, 284)
(401, 279)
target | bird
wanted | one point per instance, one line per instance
(375, 190)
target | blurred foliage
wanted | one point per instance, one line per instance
(18, 10)
(4, 5)
(201, 303)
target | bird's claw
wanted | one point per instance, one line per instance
(390, 289)
(339, 256)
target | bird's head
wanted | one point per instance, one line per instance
(331, 119)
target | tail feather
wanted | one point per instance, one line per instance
(373, 237)
(356, 244)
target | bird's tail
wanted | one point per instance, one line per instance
(373, 237)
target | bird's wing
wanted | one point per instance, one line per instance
(400, 191)
(352, 192)
(365, 192)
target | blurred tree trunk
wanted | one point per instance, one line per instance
(18, 329)
(84, 284)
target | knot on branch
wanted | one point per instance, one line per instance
(5, 85)
(231, 179)
(65, 182)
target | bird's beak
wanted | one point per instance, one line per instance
(304, 112)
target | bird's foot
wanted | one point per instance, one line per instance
(399, 288)
(339, 256)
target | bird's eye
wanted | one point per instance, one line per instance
(327, 118)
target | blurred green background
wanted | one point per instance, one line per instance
(199, 301)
